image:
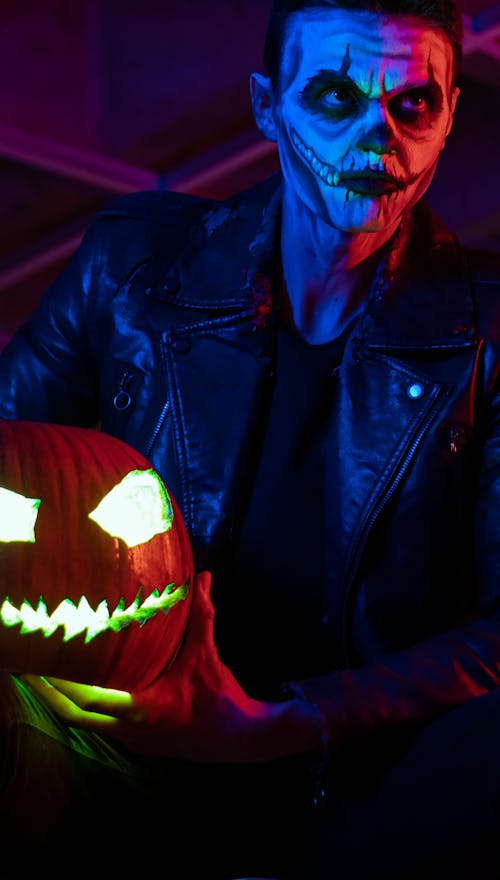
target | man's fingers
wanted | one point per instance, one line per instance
(66, 709)
(92, 697)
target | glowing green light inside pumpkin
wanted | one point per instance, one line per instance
(17, 516)
(136, 509)
(81, 618)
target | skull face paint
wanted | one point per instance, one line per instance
(364, 106)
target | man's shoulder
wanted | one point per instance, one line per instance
(152, 228)
(145, 223)
(450, 256)
(133, 227)
(155, 206)
(484, 271)
(484, 266)
(167, 207)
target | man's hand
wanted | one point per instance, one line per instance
(195, 711)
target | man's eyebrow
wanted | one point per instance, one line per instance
(327, 77)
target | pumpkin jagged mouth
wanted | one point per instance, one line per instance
(79, 618)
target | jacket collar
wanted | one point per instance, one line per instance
(229, 257)
(422, 298)
(425, 298)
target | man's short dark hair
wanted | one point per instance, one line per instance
(443, 15)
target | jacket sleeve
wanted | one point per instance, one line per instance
(416, 684)
(408, 687)
(46, 370)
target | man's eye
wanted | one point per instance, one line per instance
(414, 101)
(339, 94)
(327, 96)
(338, 97)
(412, 106)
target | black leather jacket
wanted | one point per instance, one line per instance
(161, 329)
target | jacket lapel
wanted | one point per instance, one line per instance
(409, 355)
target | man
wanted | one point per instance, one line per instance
(312, 368)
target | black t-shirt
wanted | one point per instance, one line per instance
(275, 626)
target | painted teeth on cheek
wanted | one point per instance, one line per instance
(328, 173)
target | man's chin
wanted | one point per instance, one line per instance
(355, 225)
(363, 213)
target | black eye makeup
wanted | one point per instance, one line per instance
(417, 106)
(329, 93)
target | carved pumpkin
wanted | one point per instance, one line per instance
(96, 565)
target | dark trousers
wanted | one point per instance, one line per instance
(400, 806)
(428, 809)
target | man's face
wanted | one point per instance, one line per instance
(363, 109)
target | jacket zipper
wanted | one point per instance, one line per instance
(376, 510)
(157, 428)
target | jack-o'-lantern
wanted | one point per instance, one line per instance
(96, 565)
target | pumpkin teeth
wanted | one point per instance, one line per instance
(76, 619)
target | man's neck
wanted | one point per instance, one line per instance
(327, 273)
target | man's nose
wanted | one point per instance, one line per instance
(376, 135)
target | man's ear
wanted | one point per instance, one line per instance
(262, 105)
(453, 103)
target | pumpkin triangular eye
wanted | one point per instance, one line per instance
(17, 516)
(136, 509)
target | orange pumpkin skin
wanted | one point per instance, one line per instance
(71, 470)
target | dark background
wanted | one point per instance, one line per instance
(104, 97)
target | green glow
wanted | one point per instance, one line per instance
(136, 509)
(77, 618)
(84, 689)
(17, 516)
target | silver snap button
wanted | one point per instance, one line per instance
(415, 390)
